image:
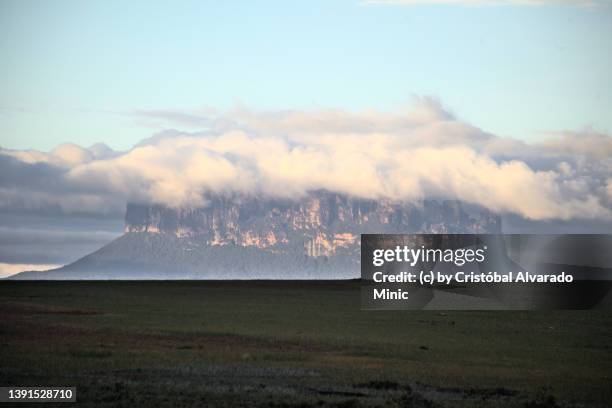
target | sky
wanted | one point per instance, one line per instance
(502, 103)
(77, 71)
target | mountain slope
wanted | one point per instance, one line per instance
(316, 237)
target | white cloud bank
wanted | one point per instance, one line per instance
(422, 153)
(7, 269)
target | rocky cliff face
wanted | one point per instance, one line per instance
(320, 224)
(315, 237)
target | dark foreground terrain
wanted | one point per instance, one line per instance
(286, 344)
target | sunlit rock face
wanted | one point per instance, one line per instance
(314, 237)
(319, 224)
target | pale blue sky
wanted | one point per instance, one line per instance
(74, 70)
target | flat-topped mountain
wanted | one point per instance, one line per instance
(237, 237)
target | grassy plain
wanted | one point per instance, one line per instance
(292, 344)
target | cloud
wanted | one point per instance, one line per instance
(584, 3)
(33, 180)
(64, 155)
(7, 269)
(410, 155)
(53, 239)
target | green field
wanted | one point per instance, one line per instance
(285, 344)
